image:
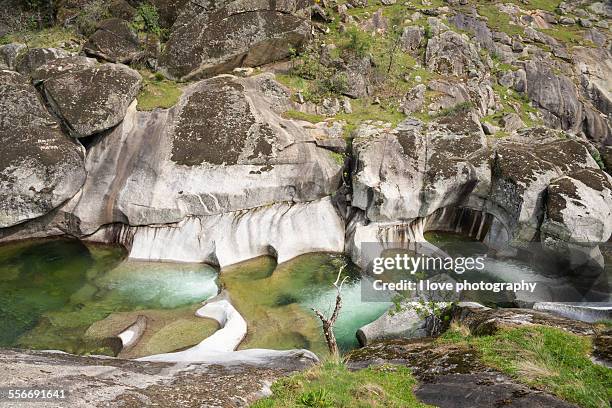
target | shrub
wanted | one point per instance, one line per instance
(88, 19)
(147, 20)
(357, 41)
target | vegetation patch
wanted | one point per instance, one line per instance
(157, 92)
(547, 358)
(331, 384)
(46, 37)
(308, 117)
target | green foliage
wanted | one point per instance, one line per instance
(597, 157)
(157, 92)
(454, 110)
(46, 37)
(338, 158)
(317, 398)
(357, 41)
(331, 384)
(547, 358)
(92, 14)
(308, 117)
(147, 20)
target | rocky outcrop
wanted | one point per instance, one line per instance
(220, 177)
(404, 177)
(240, 34)
(87, 96)
(555, 94)
(450, 53)
(33, 58)
(40, 168)
(98, 381)
(114, 41)
(453, 375)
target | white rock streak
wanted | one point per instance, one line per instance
(219, 348)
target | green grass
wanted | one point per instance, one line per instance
(157, 92)
(308, 117)
(498, 21)
(363, 110)
(48, 37)
(338, 157)
(331, 384)
(546, 358)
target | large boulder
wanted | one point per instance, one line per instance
(88, 97)
(220, 177)
(27, 61)
(40, 168)
(114, 41)
(241, 34)
(556, 95)
(450, 53)
(9, 54)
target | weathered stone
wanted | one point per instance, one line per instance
(9, 53)
(33, 58)
(579, 208)
(555, 94)
(40, 168)
(414, 99)
(453, 54)
(412, 38)
(114, 41)
(96, 381)
(231, 37)
(88, 97)
(512, 122)
(475, 26)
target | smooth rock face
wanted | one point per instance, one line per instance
(220, 164)
(88, 97)
(40, 168)
(283, 231)
(114, 41)
(241, 34)
(405, 177)
(404, 324)
(556, 95)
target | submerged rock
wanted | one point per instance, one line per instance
(40, 168)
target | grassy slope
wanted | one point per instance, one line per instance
(332, 385)
(546, 358)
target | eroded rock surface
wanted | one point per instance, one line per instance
(40, 168)
(98, 381)
(87, 96)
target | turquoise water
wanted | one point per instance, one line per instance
(51, 291)
(276, 301)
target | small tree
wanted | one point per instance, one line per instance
(328, 323)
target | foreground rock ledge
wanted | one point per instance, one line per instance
(111, 382)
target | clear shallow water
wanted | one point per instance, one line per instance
(65, 295)
(276, 301)
(52, 291)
